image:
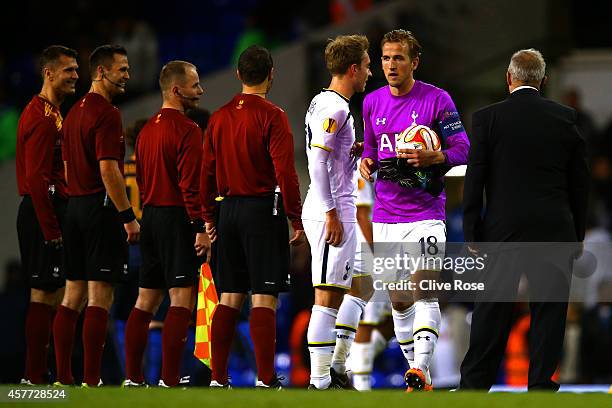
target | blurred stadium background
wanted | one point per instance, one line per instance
(467, 45)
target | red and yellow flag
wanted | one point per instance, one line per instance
(207, 302)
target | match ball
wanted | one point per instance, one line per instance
(419, 137)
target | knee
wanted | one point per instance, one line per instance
(233, 300)
(366, 293)
(75, 296)
(45, 297)
(267, 301)
(101, 296)
(329, 297)
(401, 306)
(148, 302)
(182, 297)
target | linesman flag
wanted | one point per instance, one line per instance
(207, 302)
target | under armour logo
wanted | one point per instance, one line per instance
(423, 337)
(380, 121)
(414, 116)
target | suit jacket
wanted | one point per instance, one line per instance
(529, 159)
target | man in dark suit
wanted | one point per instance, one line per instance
(528, 158)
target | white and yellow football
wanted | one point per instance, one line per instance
(418, 137)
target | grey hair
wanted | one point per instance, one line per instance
(527, 66)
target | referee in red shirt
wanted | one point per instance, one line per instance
(248, 156)
(42, 184)
(99, 218)
(168, 163)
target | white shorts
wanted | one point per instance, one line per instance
(419, 245)
(376, 311)
(331, 266)
(363, 255)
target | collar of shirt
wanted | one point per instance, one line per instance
(524, 87)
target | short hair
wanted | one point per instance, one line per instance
(527, 66)
(104, 55)
(344, 51)
(405, 37)
(172, 71)
(254, 65)
(52, 54)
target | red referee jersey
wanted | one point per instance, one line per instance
(248, 151)
(168, 162)
(92, 132)
(40, 169)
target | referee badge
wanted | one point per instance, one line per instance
(330, 125)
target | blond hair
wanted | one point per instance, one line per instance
(344, 51)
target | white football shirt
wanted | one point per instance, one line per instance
(330, 126)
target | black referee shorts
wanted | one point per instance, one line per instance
(95, 240)
(169, 258)
(252, 246)
(43, 263)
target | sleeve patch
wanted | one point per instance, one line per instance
(330, 125)
(451, 124)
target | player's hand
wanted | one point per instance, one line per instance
(202, 246)
(357, 149)
(333, 228)
(298, 238)
(57, 243)
(132, 229)
(421, 158)
(211, 230)
(367, 168)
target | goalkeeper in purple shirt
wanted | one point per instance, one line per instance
(409, 209)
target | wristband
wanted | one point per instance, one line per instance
(197, 225)
(127, 216)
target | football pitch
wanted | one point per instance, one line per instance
(110, 397)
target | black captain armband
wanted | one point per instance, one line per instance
(127, 216)
(197, 225)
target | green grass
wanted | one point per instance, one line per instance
(110, 397)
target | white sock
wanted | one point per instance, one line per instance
(362, 362)
(321, 342)
(403, 322)
(346, 327)
(427, 320)
(379, 343)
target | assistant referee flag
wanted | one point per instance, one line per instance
(207, 302)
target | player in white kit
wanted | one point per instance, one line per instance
(329, 213)
(369, 341)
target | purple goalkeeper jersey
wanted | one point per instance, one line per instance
(385, 116)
